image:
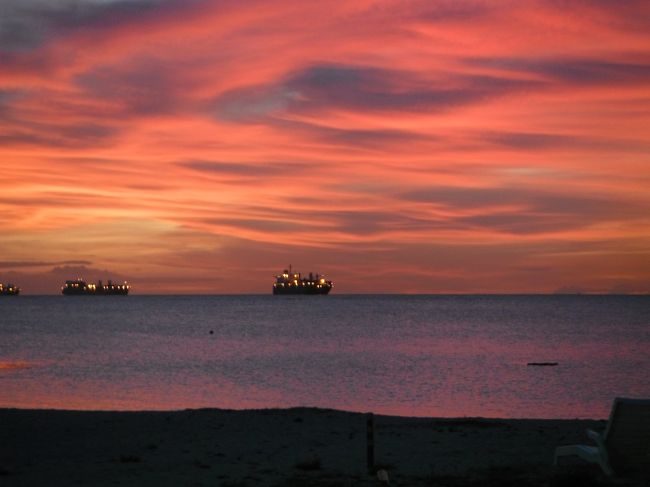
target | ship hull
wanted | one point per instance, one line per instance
(86, 292)
(300, 291)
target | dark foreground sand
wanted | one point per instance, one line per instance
(290, 447)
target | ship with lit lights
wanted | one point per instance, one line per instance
(79, 287)
(9, 290)
(289, 283)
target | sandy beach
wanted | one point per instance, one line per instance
(282, 447)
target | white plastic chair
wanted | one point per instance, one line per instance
(625, 445)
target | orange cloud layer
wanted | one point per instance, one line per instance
(396, 146)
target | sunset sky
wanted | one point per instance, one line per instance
(201, 146)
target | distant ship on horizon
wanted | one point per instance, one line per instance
(289, 283)
(9, 290)
(79, 287)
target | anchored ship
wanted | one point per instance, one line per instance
(79, 287)
(293, 283)
(9, 290)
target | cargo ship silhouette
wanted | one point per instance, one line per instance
(293, 283)
(79, 287)
(9, 290)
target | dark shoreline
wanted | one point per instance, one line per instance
(283, 447)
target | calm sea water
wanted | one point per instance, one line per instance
(407, 355)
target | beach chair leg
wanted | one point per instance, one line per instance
(587, 453)
(590, 454)
(606, 468)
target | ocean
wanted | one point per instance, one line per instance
(414, 355)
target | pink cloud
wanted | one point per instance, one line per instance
(315, 130)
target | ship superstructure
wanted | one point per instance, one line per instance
(79, 287)
(293, 283)
(9, 290)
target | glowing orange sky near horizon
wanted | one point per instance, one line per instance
(425, 146)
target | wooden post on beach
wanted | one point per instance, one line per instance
(370, 441)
